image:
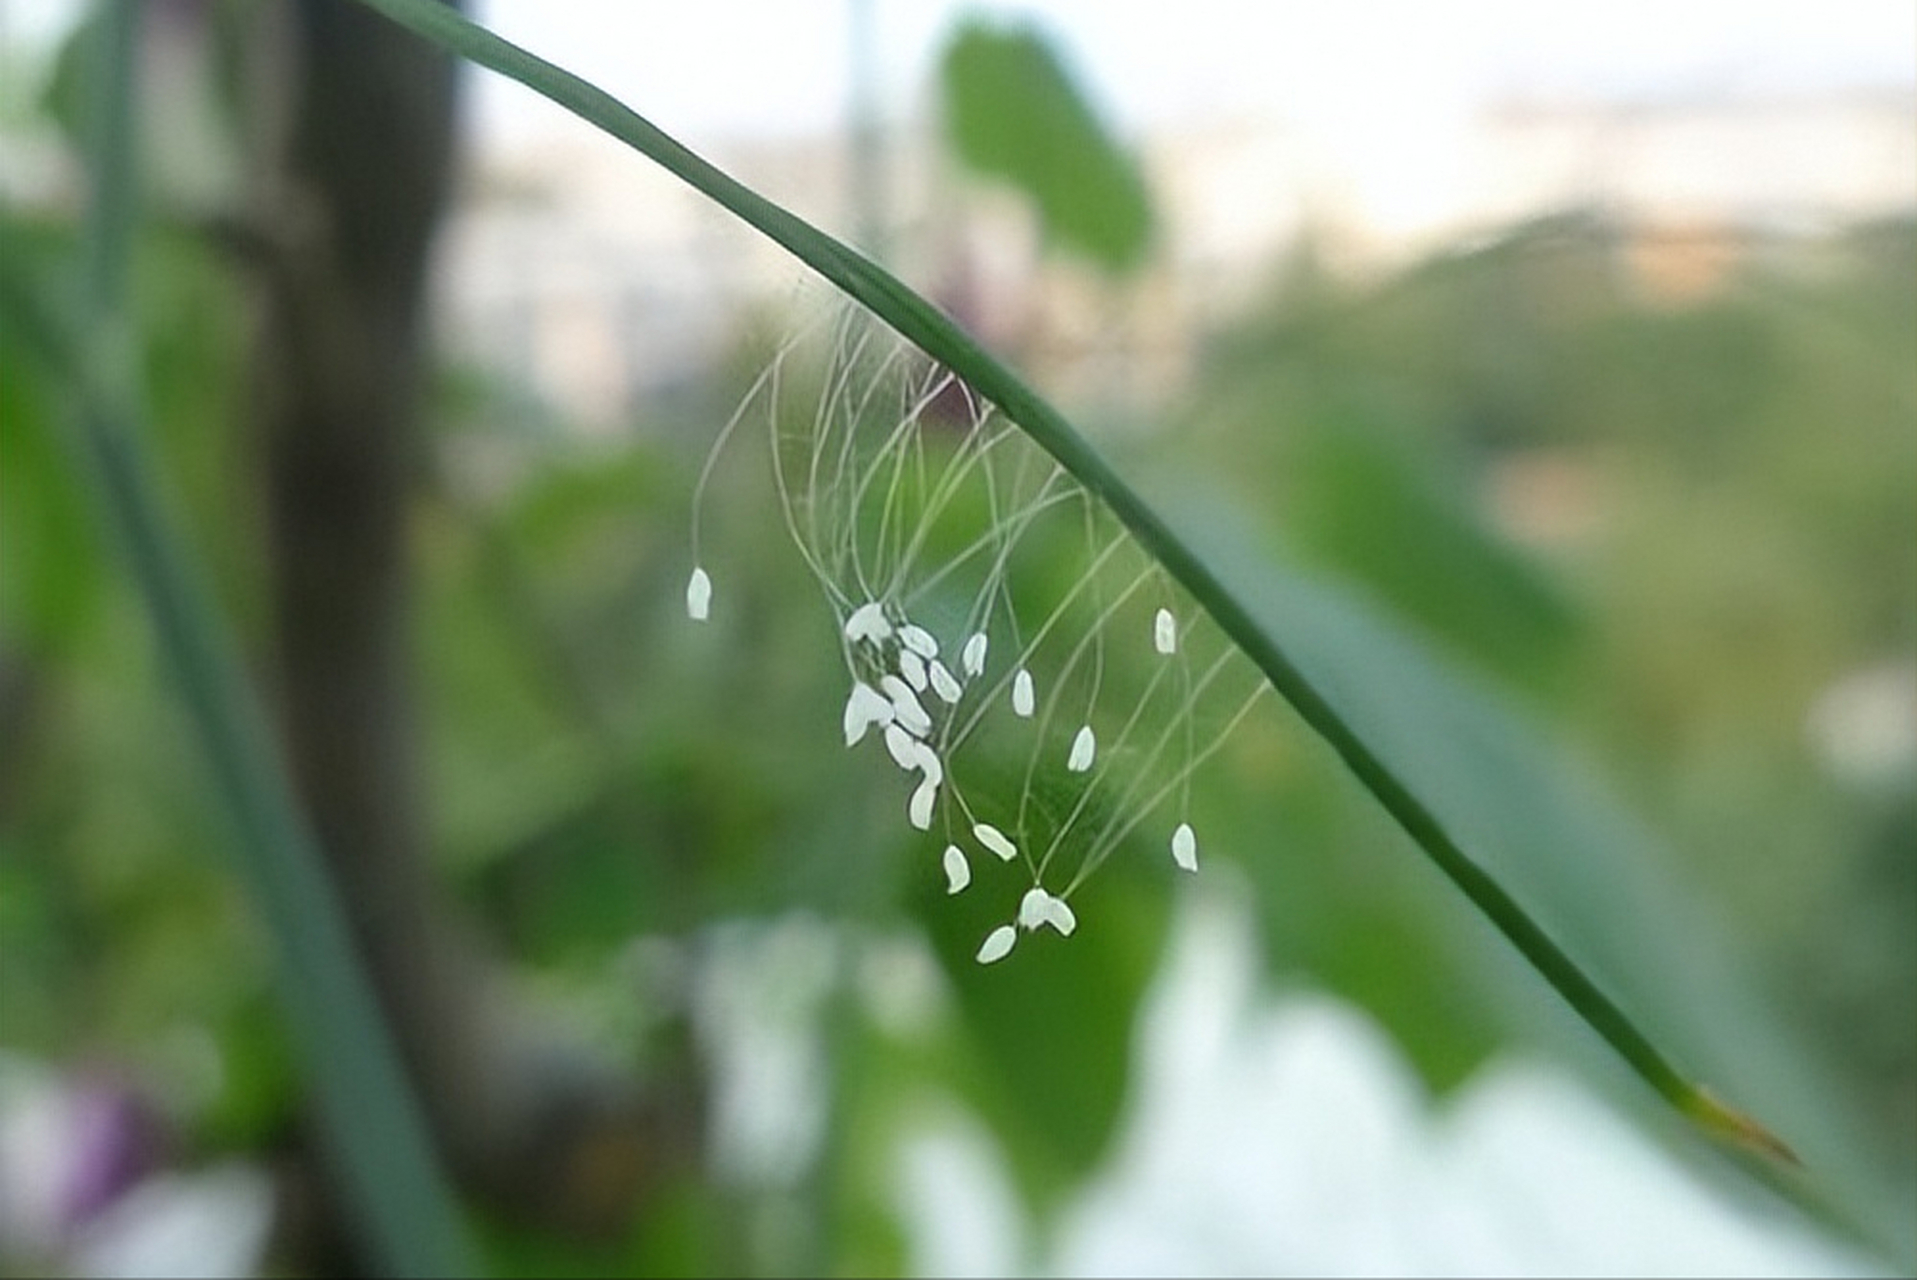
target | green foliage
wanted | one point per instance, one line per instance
(1714, 586)
(1013, 112)
(1053, 1043)
(597, 774)
(1361, 501)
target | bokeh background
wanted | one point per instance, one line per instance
(1553, 369)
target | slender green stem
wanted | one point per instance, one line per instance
(376, 1134)
(924, 326)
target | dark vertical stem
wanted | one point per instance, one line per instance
(392, 1183)
(354, 186)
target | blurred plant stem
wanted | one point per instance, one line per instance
(393, 1184)
(353, 177)
(356, 171)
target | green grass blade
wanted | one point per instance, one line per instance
(923, 325)
(375, 1132)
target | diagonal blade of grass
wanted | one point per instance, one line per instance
(375, 1132)
(924, 326)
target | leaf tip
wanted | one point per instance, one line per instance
(1727, 1123)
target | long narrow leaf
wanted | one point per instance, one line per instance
(923, 325)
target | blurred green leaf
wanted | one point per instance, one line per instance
(1583, 869)
(1055, 1038)
(1013, 111)
(1365, 506)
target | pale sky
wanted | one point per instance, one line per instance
(711, 69)
(1380, 97)
(725, 67)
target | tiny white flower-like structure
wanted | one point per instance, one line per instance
(902, 746)
(958, 872)
(863, 709)
(918, 810)
(894, 705)
(943, 683)
(995, 840)
(1038, 907)
(906, 705)
(868, 623)
(897, 676)
(1165, 632)
(917, 640)
(927, 762)
(1084, 747)
(699, 595)
(998, 944)
(972, 656)
(1023, 699)
(918, 551)
(1184, 847)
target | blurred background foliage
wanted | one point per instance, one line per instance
(1666, 538)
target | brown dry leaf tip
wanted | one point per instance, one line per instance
(1727, 1122)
